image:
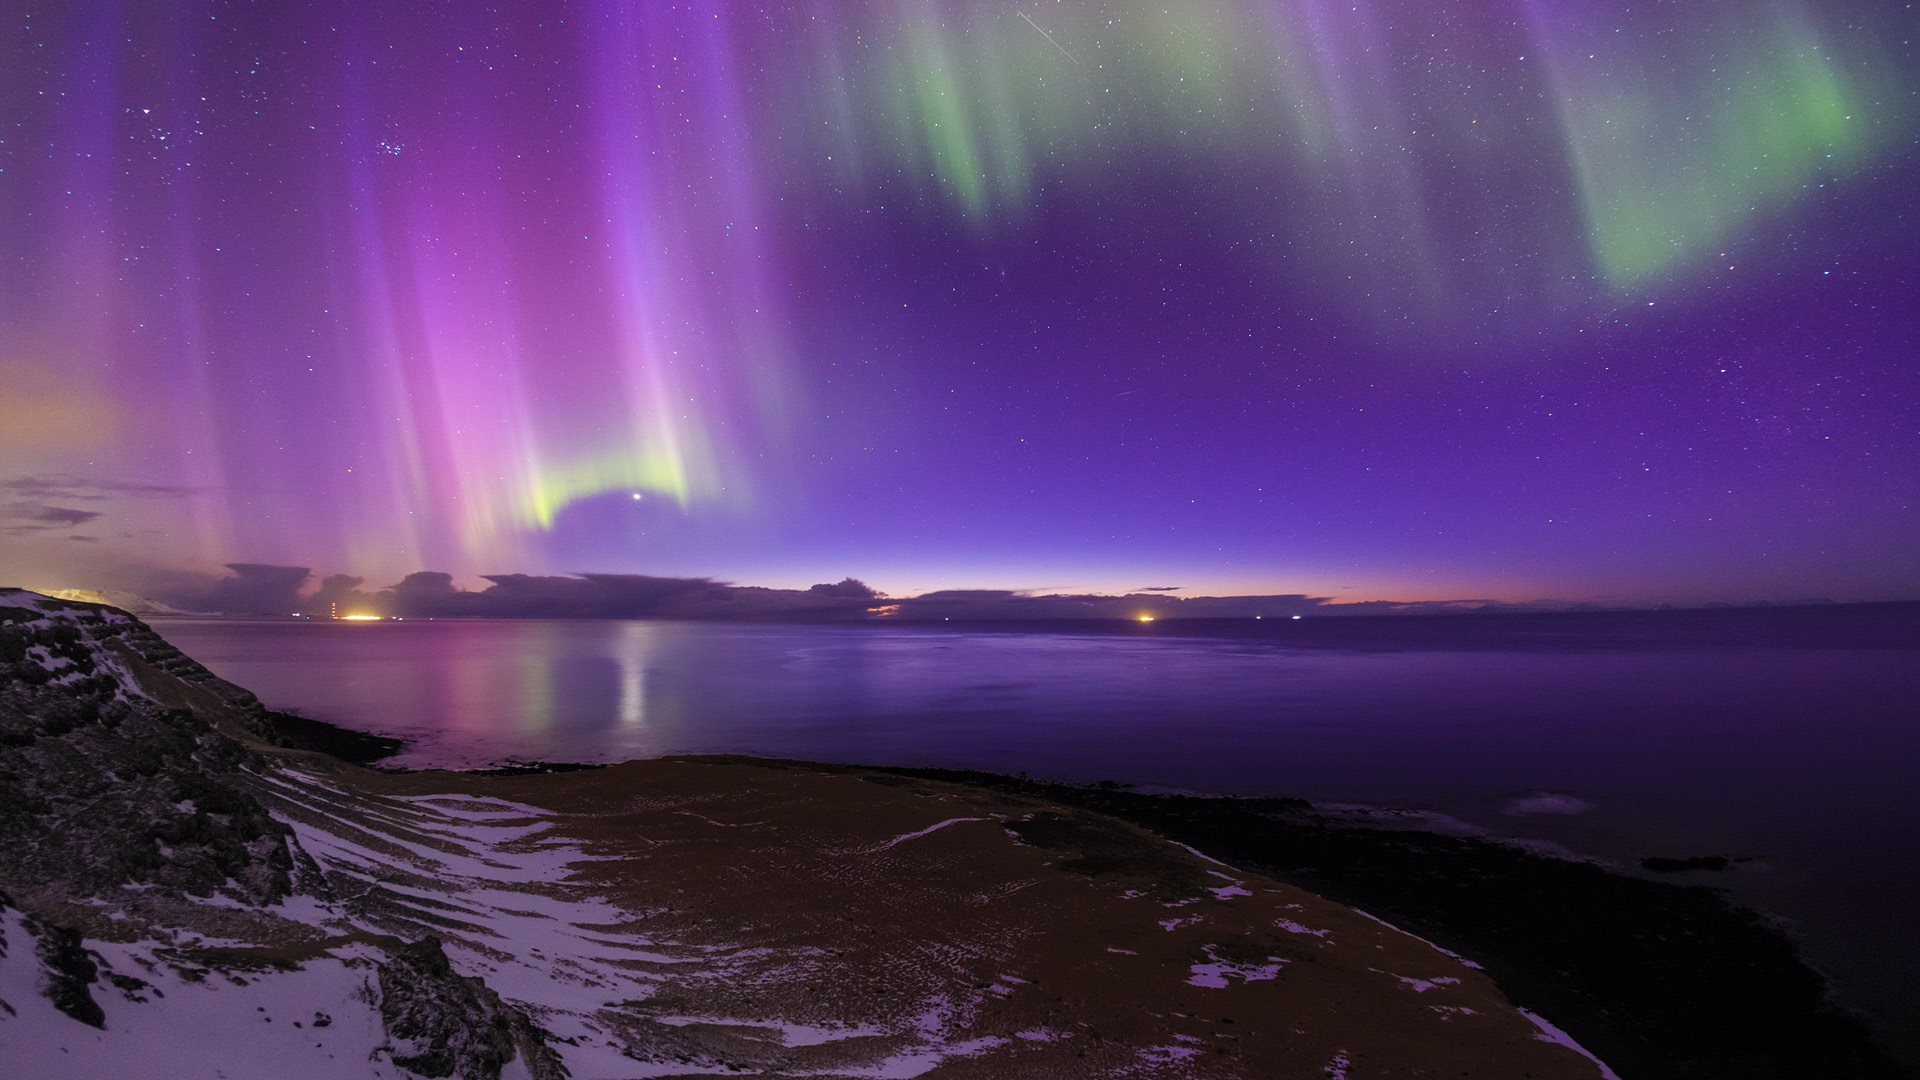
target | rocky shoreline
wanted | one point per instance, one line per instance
(182, 865)
(1658, 979)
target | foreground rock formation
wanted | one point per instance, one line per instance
(184, 897)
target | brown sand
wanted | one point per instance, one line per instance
(1055, 942)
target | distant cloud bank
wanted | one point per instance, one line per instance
(268, 589)
(258, 588)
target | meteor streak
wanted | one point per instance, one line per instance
(1049, 37)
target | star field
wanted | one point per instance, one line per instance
(1376, 299)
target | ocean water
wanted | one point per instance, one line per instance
(1787, 739)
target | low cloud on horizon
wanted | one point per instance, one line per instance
(261, 588)
(29, 517)
(270, 589)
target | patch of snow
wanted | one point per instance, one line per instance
(789, 1035)
(932, 1024)
(1464, 962)
(496, 882)
(1231, 889)
(1552, 1034)
(914, 1063)
(1166, 1055)
(1214, 975)
(1337, 1068)
(1421, 986)
(175, 1027)
(928, 829)
(517, 920)
(1292, 927)
(1004, 984)
(1196, 852)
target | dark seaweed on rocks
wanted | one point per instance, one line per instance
(446, 1024)
(531, 768)
(1663, 865)
(1656, 979)
(305, 733)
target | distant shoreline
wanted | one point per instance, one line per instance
(1886, 624)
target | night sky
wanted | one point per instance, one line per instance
(1365, 299)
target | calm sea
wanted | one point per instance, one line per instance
(1787, 738)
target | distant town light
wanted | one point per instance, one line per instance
(360, 618)
(1296, 616)
(1146, 618)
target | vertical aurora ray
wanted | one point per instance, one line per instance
(520, 351)
(385, 288)
(1675, 125)
(1331, 110)
(697, 342)
(1733, 112)
(360, 281)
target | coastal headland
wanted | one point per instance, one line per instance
(192, 888)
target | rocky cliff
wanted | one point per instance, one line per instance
(129, 814)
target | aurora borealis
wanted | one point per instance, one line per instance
(1504, 298)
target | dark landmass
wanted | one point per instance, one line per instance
(263, 589)
(1657, 979)
(1825, 626)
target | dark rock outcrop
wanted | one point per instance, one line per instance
(446, 1024)
(105, 785)
(67, 973)
(128, 780)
